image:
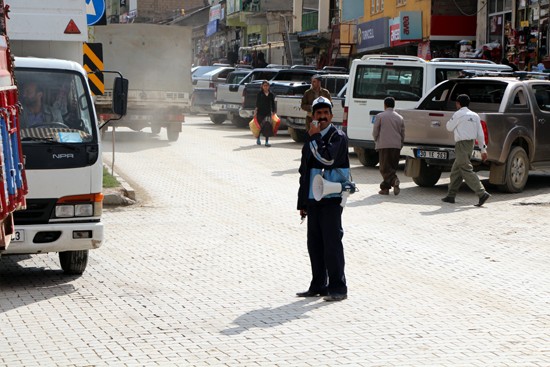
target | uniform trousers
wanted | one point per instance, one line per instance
(325, 248)
(463, 170)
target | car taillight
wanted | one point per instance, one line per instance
(345, 121)
(212, 85)
(485, 131)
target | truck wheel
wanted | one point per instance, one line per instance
(240, 121)
(173, 135)
(299, 136)
(429, 175)
(155, 129)
(218, 119)
(517, 171)
(367, 157)
(73, 262)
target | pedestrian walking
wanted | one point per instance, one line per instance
(311, 94)
(265, 108)
(324, 152)
(389, 134)
(466, 126)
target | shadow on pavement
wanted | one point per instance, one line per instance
(16, 281)
(271, 317)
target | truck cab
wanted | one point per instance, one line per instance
(62, 150)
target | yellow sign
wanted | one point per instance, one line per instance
(524, 23)
(93, 61)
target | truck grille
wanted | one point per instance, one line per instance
(39, 211)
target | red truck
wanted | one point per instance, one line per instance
(13, 185)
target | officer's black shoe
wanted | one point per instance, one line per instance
(312, 293)
(335, 297)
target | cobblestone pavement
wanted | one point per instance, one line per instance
(202, 271)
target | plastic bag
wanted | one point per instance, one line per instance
(254, 127)
(276, 122)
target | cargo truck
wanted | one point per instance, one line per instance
(60, 139)
(157, 61)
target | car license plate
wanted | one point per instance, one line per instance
(18, 236)
(433, 154)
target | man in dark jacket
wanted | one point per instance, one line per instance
(325, 152)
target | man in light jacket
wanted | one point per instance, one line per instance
(466, 127)
(389, 133)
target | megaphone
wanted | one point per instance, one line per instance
(322, 188)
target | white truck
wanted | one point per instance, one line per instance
(406, 78)
(62, 149)
(157, 61)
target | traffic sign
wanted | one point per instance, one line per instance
(93, 62)
(95, 11)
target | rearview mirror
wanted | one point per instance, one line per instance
(120, 96)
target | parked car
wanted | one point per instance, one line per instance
(203, 93)
(229, 95)
(515, 112)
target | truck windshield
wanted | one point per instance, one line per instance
(55, 107)
(380, 81)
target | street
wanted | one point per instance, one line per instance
(203, 269)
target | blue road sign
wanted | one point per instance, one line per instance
(94, 10)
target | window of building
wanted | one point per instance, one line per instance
(376, 6)
(401, 2)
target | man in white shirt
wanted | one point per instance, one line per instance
(466, 126)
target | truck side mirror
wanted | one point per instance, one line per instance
(120, 96)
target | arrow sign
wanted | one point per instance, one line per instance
(95, 10)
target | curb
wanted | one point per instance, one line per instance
(125, 196)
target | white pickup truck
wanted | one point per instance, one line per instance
(290, 111)
(229, 95)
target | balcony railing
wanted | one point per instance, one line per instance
(236, 6)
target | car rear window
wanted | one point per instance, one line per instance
(485, 96)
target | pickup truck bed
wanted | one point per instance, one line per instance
(285, 82)
(290, 111)
(229, 96)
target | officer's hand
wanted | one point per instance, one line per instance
(314, 129)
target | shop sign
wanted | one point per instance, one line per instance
(212, 27)
(411, 25)
(395, 33)
(215, 12)
(373, 35)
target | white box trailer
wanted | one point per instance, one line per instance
(51, 29)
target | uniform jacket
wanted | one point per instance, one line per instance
(388, 130)
(326, 154)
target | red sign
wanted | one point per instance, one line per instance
(395, 35)
(72, 28)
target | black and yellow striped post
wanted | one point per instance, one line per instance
(93, 61)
